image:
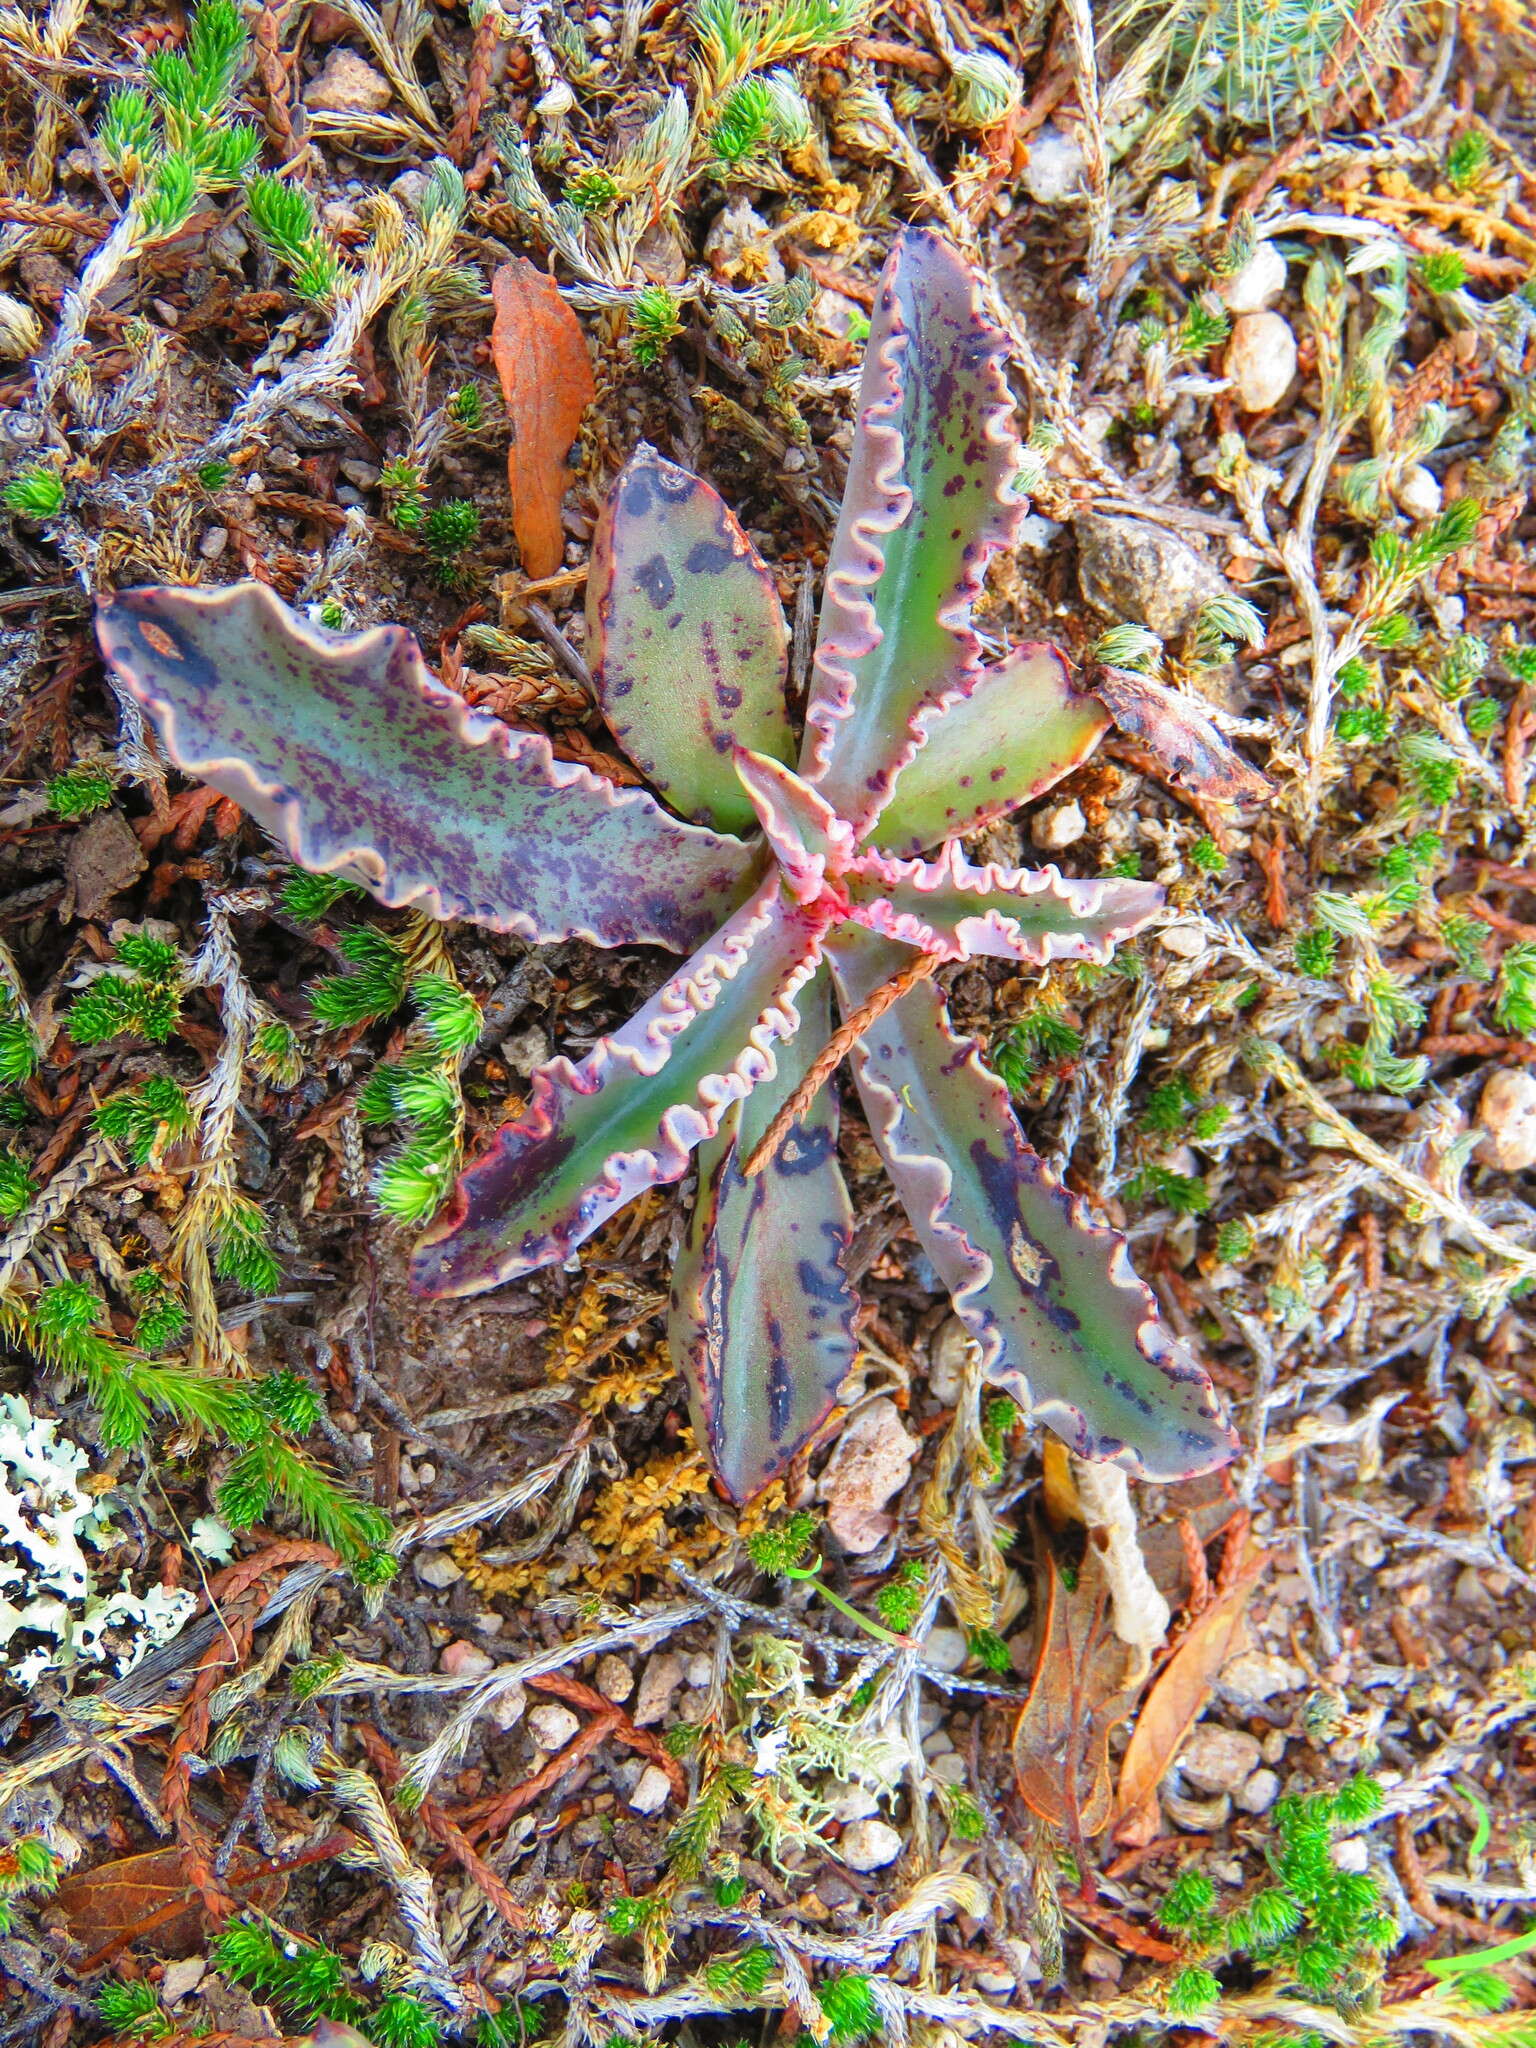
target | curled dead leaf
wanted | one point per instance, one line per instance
(541, 357)
(1175, 1701)
(150, 1893)
(1173, 725)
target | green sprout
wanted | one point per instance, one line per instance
(592, 191)
(35, 492)
(781, 1551)
(145, 1002)
(1466, 160)
(284, 216)
(79, 792)
(742, 126)
(1441, 271)
(146, 1118)
(1514, 1002)
(654, 321)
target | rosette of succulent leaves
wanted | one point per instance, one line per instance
(805, 878)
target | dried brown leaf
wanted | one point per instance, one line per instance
(1175, 1702)
(541, 357)
(111, 1901)
(1084, 1685)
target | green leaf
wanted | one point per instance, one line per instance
(361, 763)
(926, 506)
(1017, 730)
(1062, 1321)
(762, 1312)
(596, 1135)
(687, 640)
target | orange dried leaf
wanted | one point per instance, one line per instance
(1084, 1685)
(541, 357)
(1174, 1704)
(110, 1902)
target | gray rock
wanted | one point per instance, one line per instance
(1218, 1759)
(1259, 1793)
(437, 1569)
(652, 1790)
(1255, 1677)
(553, 1726)
(1131, 569)
(662, 1676)
(870, 1844)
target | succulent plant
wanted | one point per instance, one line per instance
(792, 874)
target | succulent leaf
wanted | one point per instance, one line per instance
(687, 639)
(762, 1313)
(949, 907)
(1177, 729)
(926, 506)
(627, 1118)
(805, 835)
(361, 763)
(1013, 734)
(1049, 1295)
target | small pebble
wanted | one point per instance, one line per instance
(945, 1649)
(437, 1569)
(1059, 827)
(949, 1769)
(698, 1670)
(661, 1677)
(1258, 284)
(1255, 1677)
(1259, 1792)
(1185, 940)
(615, 1680)
(852, 1803)
(1353, 1854)
(1506, 1115)
(346, 85)
(946, 1361)
(1216, 1759)
(213, 543)
(1261, 360)
(553, 1726)
(870, 1462)
(870, 1845)
(1102, 1963)
(1054, 169)
(181, 1977)
(1196, 1816)
(652, 1790)
(465, 1660)
(1419, 493)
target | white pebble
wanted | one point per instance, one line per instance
(659, 1680)
(437, 1569)
(1507, 1115)
(652, 1791)
(1419, 493)
(1055, 167)
(1216, 1759)
(870, 1845)
(213, 543)
(1261, 360)
(1186, 940)
(1258, 284)
(1059, 827)
(615, 1680)
(945, 1649)
(1352, 1854)
(1259, 1792)
(553, 1726)
(465, 1660)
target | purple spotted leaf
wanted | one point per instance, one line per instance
(949, 907)
(627, 1118)
(805, 835)
(1016, 730)
(1180, 732)
(926, 506)
(359, 762)
(1049, 1295)
(761, 1326)
(687, 640)
(797, 894)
